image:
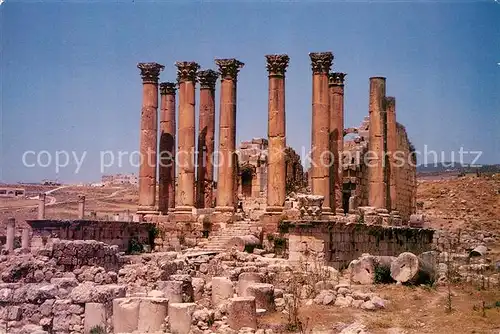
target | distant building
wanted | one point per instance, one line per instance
(120, 179)
(12, 192)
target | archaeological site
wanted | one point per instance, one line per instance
(221, 237)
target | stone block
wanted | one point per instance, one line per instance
(152, 314)
(95, 316)
(125, 314)
(247, 278)
(180, 316)
(242, 313)
(263, 294)
(222, 290)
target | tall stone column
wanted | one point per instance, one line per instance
(320, 145)
(392, 148)
(336, 88)
(276, 132)
(25, 239)
(377, 192)
(81, 206)
(41, 206)
(11, 234)
(166, 186)
(148, 141)
(186, 77)
(228, 69)
(206, 134)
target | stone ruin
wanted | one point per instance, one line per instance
(211, 257)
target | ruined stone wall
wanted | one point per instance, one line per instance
(110, 232)
(337, 244)
(406, 176)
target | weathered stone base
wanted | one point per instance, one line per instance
(337, 243)
(223, 216)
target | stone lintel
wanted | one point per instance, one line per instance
(321, 62)
(277, 64)
(229, 68)
(168, 88)
(186, 71)
(336, 79)
(150, 72)
(207, 79)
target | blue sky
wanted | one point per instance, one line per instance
(70, 82)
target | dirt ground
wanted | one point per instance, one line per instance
(409, 310)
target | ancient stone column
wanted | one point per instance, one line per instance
(41, 206)
(148, 137)
(276, 132)
(11, 234)
(228, 69)
(25, 239)
(166, 186)
(377, 194)
(186, 77)
(336, 89)
(391, 168)
(81, 206)
(320, 145)
(206, 134)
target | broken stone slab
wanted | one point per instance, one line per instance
(222, 290)
(242, 313)
(180, 317)
(90, 293)
(177, 291)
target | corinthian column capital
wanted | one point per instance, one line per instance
(277, 64)
(207, 79)
(150, 72)
(168, 88)
(186, 70)
(337, 79)
(229, 68)
(321, 62)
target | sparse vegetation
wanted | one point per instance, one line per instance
(97, 330)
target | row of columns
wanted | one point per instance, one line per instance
(11, 234)
(382, 175)
(327, 135)
(327, 132)
(41, 206)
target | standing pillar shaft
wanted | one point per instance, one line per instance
(186, 76)
(148, 140)
(206, 142)
(25, 239)
(166, 186)
(41, 206)
(228, 69)
(377, 192)
(320, 143)
(336, 87)
(11, 234)
(81, 206)
(276, 168)
(392, 170)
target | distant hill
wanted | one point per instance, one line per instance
(449, 167)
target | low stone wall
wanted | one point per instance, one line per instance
(110, 232)
(338, 243)
(75, 254)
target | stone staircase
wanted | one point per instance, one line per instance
(218, 240)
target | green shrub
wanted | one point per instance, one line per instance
(382, 275)
(97, 330)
